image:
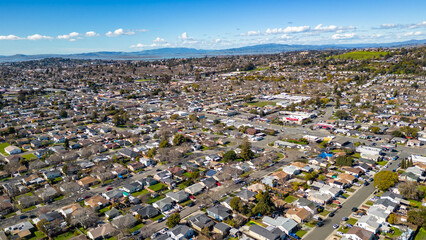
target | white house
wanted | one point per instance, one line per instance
(12, 150)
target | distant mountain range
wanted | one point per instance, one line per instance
(165, 53)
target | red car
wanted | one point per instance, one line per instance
(335, 201)
(192, 197)
(109, 188)
(218, 183)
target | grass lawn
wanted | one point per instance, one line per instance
(67, 235)
(185, 203)
(28, 209)
(352, 221)
(157, 187)
(157, 217)
(310, 224)
(37, 235)
(144, 80)
(290, 199)
(10, 215)
(343, 229)
(350, 190)
(137, 227)
(356, 155)
(112, 238)
(187, 174)
(397, 233)
(324, 213)
(109, 181)
(345, 195)
(153, 200)
(421, 234)
(369, 203)
(382, 163)
(29, 156)
(280, 155)
(2, 147)
(59, 198)
(251, 222)
(82, 230)
(103, 210)
(262, 104)
(415, 203)
(136, 194)
(246, 173)
(300, 233)
(360, 55)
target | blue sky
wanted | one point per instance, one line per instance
(41, 26)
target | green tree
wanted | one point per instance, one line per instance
(173, 220)
(375, 129)
(248, 98)
(344, 161)
(235, 203)
(411, 190)
(193, 118)
(385, 179)
(179, 139)
(417, 217)
(63, 114)
(230, 156)
(246, 152)
(151, 153)
(174, 117)
(341, 114)
(397, 133)
(391, 218)
(66, 143)
(264, 204)
(164, 144)
(409, 131)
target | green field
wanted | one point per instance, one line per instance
(144, 80)
(67, 235)
(360, 55)
(157, 187)
(29, 156)
(421, 234)
(2, 147)
(262, 104)
(290, 199)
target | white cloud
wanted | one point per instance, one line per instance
(343, 36)
(285, 36)
(158, 40)
(184, 36)
(68, 36)
(10, 37)
(251, 33)
(91, 34)
(72, 40)
(141, 30)
(413, 33)
(389, 26)
(139, 45)
(329, 28)
(274, 30)
(119, 32)
(418, 25)
(218, 40)
(296, 29)
(38, 37)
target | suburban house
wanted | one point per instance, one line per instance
(219, 212)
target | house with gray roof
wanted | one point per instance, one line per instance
(195, 189)
(200, 221)
(287, 225)
(221, 228)
(179, 196)
(246, 195)
(124, 221)
(148, 211)
(180, 232)
(370, 223)
(261, 233)
(219, 212)
(164, 204)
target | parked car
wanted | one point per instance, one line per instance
(109, 188)
(354, 209)
(135, 232)
(366, 183)
(191, 204)
(320, 224)
(161, 220)
(335, 226)
(331, 214)
(345, 218)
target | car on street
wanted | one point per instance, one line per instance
(161, 220)
(366, 183)
(335, 226)
(191, 204)
(354, 209)
(135, 232)
(320, 224)
(345, 218)
(23, 216)
(109, 188)
(331, 214)
(339, 206)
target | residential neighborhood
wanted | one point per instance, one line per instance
(297, 145)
